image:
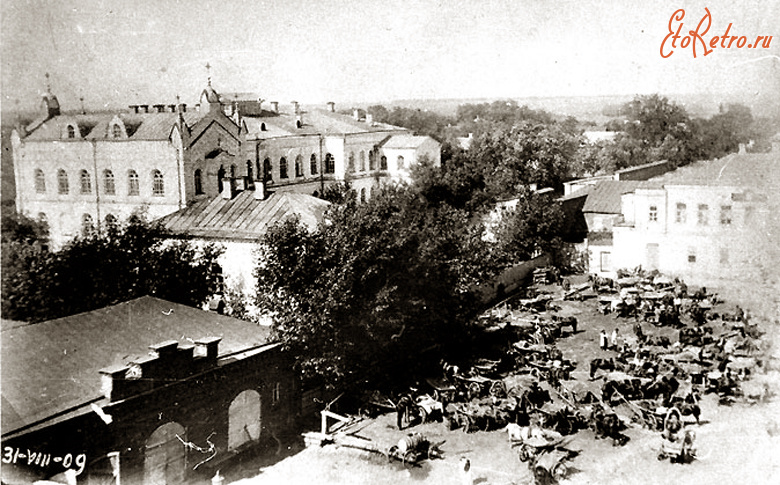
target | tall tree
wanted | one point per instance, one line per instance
(375, 287)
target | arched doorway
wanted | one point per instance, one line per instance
(244, 419)
(165, 457)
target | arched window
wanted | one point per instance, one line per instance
(299, 166)
(71, 131)
(109, 187)
(86, 224)
(362, 161)
(233, 171)
(400, 162)
(258, 172)
(158, 184)
(165, 459)
(244, 419)
(313, 164)
(351, 163)
(116, 131)
(198, 182)
(383, 163)
(362, 195)
(283, 168)
(371, 160)
(133, 187)
(249, 170)
(330, 163)
(62, 182)
(267, 170)
(86, 183)
(220, 176)
(262, 127)
(110, 220)
(40, 181)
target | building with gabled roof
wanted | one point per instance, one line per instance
(140, 379)
(79, 171)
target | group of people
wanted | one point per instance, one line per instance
(609, 342)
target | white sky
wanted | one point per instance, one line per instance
(131, 51)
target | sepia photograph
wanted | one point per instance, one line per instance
(466, 242)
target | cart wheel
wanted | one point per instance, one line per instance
(559, 471)
(409, 458)
(475, 390)
(661, 456)
(541, 475)
(523, 454)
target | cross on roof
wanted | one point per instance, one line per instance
(48, 83)
(208, 72)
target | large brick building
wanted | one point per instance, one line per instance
(79, 170)
(83, 393)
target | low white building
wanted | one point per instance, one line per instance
(706, 221)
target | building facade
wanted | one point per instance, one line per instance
(99, 405)
(81, 171)
(705, 222)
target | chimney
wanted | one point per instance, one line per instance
(171, 108)
(112, 382)
(331, 106)
(275, 106)
(299, 120)
(182, 108)
(295, 106)
(742, 149)
(160, 108)
(134, 107)
(144, 108)
(164, 350)
(197, 107)
(207, 348)
(228, 188)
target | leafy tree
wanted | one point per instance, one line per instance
(103, 268)
(376, 286)
(20, 228)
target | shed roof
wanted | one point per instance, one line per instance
(243, 217)
(604, 197)
(53, 366)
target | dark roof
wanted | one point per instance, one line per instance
(53, 366)
(315, 121)
(243, 217)
(94, 126)
(604, 197)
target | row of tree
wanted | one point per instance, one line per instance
(99, 268)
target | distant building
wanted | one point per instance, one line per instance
(149, 390)
(79, 171)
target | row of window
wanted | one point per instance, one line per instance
(116, 131)
(352, 167)
(702, 214)
(109, 183)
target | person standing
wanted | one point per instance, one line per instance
(465, 471)
(613, 341)
(603, 339)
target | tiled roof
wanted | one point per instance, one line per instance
(94, 126)
(604, 197)
(243, 217)
(53, 366)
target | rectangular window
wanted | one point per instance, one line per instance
(702, 214)
(680, 216)
(691, 255)
(606, 263)
(276, 393)
(725, 215)
(653, 215)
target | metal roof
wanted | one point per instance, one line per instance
(94, 126)
(405, 141)
(52, 367)
(243, 217)
(754, 170)
(604, 197)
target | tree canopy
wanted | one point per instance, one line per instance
(103, 268)
(376, 286)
